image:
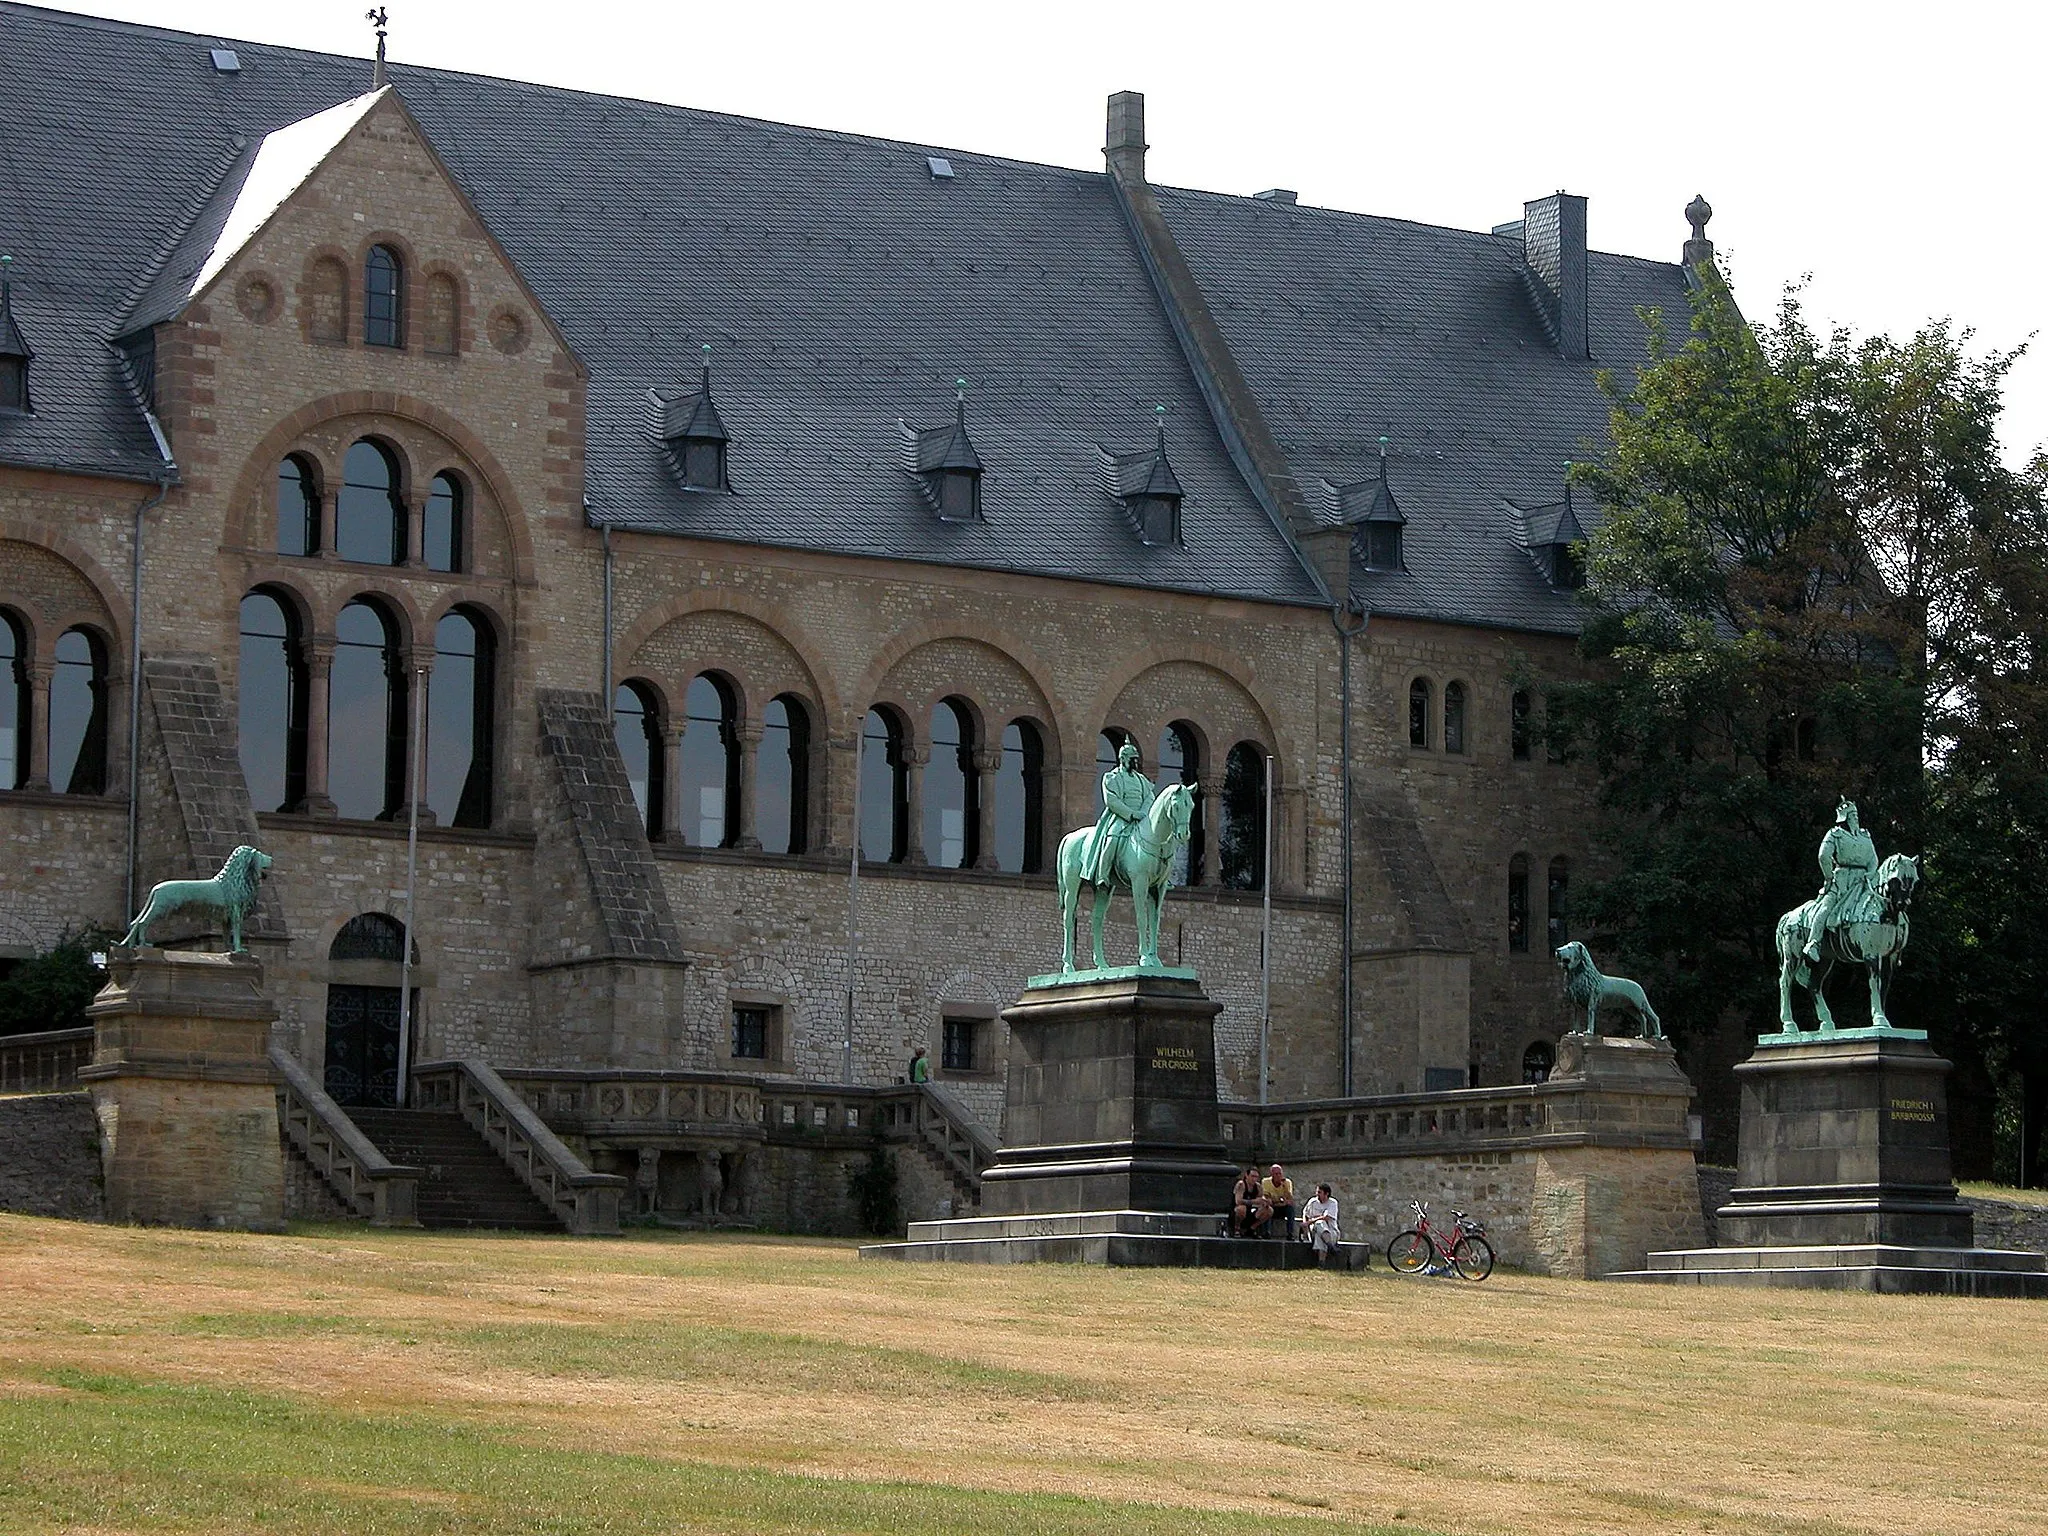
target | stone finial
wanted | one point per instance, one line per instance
(1699, 250)
(1124, 144)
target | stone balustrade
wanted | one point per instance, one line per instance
(384, 1193)
(44, 1062)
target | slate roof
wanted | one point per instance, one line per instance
(843, 288)
(1349, 327)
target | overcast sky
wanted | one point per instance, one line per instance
(1890, 151)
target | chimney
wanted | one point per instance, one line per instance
(1554, 246)
(1124, 145)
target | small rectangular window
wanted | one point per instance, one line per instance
(957, 1045)
(750, 1033)
(1383, 546)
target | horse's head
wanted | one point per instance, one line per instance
(1897, 878)
(1173, 813)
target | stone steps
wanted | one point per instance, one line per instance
(465, 1185)
(1179, 1239)
(1887, 1267)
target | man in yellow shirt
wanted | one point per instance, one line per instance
(1279, 1192)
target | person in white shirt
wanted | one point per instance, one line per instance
(1319, 1224)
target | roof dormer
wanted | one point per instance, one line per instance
(695, 435)
(945, 463)
(15, 352)
(1553, 535)
(1147, 486)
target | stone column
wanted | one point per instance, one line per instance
(184, 1091)
(914, 761)
(750, 764)
(329, 531)
(987, 762)
(39, 677)
(120, 696)
(415, 554)
(319, 655)
(1209, 807)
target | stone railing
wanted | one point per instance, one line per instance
(1397, 1125)
(45, 1062)
(623, 1103)
(367, 1181)
(586, 1203)
(955, 1137)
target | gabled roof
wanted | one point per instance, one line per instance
(255, 184)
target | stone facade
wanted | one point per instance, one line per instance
(50, 1156)
(558, 934)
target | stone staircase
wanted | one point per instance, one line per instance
(464, 1184)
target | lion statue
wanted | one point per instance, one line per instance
(229, 897)
(1586, 987)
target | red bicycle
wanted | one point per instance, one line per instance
(1421, 1249)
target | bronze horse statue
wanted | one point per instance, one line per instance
(1142, 867)
(1876, 944)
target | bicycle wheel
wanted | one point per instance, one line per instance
(1472, 1256)
(1408, 1252)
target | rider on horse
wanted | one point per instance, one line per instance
(1126, 797)
(1848, 867)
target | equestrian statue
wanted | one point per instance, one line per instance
(1131, 846)
(1859, 918)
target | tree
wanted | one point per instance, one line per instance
(51, 990)
(1812, 576)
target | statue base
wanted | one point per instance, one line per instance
(185, 1093)
(1843, 1178)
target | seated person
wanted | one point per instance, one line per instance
(1319, 1224)
(1248, 1207)
(1278, 1190)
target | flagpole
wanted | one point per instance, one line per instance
(1266, 946)
(412, 854)
(853, 898)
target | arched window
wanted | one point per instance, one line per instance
(1558, 902)
(1107, 746)
(78, 715)
(326, 310)
(782, 776)
(271, 704)
(366, 719)
(460, 697)
(1518, 724)
(1454, 717)
(1538, 1061)
(443, 315)
(383, 298)
(1020, 800)
(636, 722)
(709, 763)
(952, 790)
(369, 514)
(1180, 762)
(1418, 713)
(1244, 818)
(298, 506)
(884, 790)
(14, 702)
(1518, 904)
(443, 531)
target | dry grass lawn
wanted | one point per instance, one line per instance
(342, 1379)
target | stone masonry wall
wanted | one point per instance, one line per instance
(50, 1156)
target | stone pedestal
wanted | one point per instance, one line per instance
(184, 1091)
(1111, 1101)
(1843, 1178)
(1112, 1145)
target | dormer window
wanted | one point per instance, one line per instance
(696, 437)
(1147, 486)
(943, 458)
(1555, 537)
(15, 352)
(1376, 520)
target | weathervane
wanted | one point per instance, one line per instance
(380, 19)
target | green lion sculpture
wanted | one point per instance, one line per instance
(228, 897)
(1586, 987)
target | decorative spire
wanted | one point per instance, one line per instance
(1699, 250)
(380, 19)
(706, 377)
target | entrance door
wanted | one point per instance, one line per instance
(362, 1046)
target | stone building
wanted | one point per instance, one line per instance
(668, 502)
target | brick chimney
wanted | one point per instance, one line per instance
(1554, 246)
(1124, 144)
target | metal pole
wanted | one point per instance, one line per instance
(860, 732)
(1344, 638)
(608, 690)
(163, 489)
(412, 853)
(1266, 947)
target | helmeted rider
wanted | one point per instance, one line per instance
(1126, 797)
(1848, 868)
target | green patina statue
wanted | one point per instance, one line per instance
(1131, 846)
(1859, 918)
(228, 897)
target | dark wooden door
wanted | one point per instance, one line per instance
(362, 1046)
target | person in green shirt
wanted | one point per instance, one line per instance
(920, 1067)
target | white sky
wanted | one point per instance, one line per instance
(1886, 149)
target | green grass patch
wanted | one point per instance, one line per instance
(111, 1451)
